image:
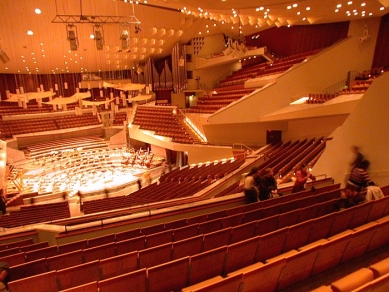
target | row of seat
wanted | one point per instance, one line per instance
(16, 127)
(20, 247)
(63, 144)
(35, 214)
(203, 170)
(298, 265)
(18, 243)
(171, 244)
(153, 119)
(223, 258)
(265, 69)
(132, 201)
(370, 279)
(193, 226)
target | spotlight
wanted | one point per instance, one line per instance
(71, 31)
(3, 57)
(124, 37)
(137, 28)
(99, 36)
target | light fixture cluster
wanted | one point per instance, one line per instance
(135, 2)
(350, 12)
(274, 14)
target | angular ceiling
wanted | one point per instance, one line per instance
(153, 27)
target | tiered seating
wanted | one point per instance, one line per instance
(174, 185)
(35, 214)
(16, 127)
(96, 248)
(120, 118)
(46, 148)
(251, 248)
(34, 125)
(12, 108)
(320, 97)
(73, 121)
(163, 122)
(306, 153)
(219, 99)
(362, 81)
(269, 68)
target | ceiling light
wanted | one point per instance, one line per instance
(29, 32)
(339, 5)
(38, 11)
(363, 4)
(349, 2)
(308, 8)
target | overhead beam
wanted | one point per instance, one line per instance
(105, 19)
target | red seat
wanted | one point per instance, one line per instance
(131, 282)
(45, 282)
(170, 276)
(207, 265)
(78, 275)
(118, 265)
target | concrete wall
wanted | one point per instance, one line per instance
(365, 127)
(335, 62)
(312, 128)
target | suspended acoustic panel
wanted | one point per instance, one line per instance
(3, 57)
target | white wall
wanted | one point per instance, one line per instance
(312, 128)
(365, 127)
(211, 76)
(246, 133)
(323, 70)
(212, 44)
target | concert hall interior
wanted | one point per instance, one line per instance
(127, 129)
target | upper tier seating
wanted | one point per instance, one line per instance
(268, 68)
(219, 99)
(163, 122)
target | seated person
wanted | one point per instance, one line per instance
(359, 178)
(373, 192)
(268, 185)
(350, 198)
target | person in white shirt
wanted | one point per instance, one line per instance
(250, 189)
